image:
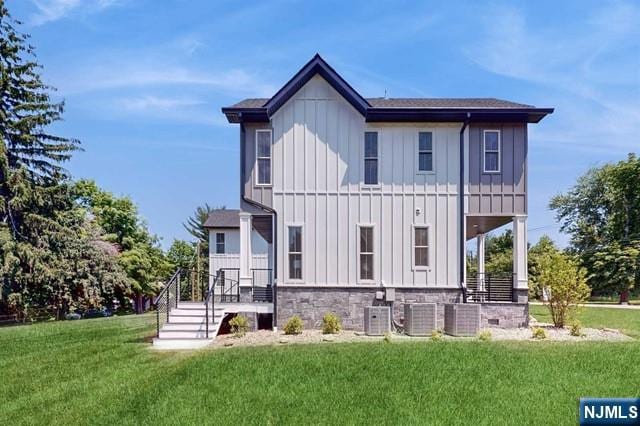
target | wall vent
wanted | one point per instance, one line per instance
(377, 320)
(462, 319)
(420, 318)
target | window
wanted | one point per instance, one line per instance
(371, 158)
(425, 152)
(366, 253)
(295, 252)
(421, 246)
(491, 151)
(220, 242)
(263, 157)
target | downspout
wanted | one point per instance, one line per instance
(463, 237)
(274, 224)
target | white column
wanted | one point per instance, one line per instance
(520, 278)
(480, 253)
(245, 248)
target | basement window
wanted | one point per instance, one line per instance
(491, 151)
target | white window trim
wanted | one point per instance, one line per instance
(433, 152)
(224, 243)
(484, 151)
(363, 184)
(302, 255)
(375, 248)
(257, 183)
(413, 247)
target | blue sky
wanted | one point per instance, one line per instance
(144, 81)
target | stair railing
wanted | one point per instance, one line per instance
(209, 299)
(167, 298)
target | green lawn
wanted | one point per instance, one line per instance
(102, 372)
(627, 320)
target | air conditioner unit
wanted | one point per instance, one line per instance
(420, 318)
(377, 320)
(462, 319)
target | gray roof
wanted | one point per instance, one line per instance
(224, 218)
(459, 103)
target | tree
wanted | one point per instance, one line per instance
(181, 255)
(499, 253)
(602, 215)
(195, 223)
(536, 253)
(566, 283)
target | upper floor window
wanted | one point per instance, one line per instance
(491, 151)
(371, 158)
(220, 242)
(425, 152)
(366, 253)
(295, 252)
(263, 157)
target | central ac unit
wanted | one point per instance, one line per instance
(377, 320)
(420, 318)
(462, 319)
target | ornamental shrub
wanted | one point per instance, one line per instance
(293, 326)
(239, 325)
(331, 323)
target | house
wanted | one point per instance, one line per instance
(359, 201)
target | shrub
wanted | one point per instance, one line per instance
(331, 323)
(538, 333)
(239, 325)
(436, 335)
(575, 329)
(485, 335)
(387, 337)
(566, 285)
(293, 326)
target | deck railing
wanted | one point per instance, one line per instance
(490, 288)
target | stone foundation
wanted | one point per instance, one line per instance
(311, 303)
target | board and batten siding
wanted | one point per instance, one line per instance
(260, 193)
(503, 193)
(318, 142)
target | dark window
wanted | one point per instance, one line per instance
(425, 152)
(220, 243)
(491, 151)
(421, 246)
(295, 252)
(263, 157)
(371, 158)
(366, 253)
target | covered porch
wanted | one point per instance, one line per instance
(504, 286)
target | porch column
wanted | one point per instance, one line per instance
(245, 248)
(520, 275)
(480, 253)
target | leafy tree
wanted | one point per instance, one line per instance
(602, 215)
(499, 253)
(566, 283)
(544, 247)
(181, 255)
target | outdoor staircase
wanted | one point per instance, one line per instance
(187, 328)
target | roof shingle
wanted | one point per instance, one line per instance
(223, 218)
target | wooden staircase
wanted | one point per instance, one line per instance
(187, 328)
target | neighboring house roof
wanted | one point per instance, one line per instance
(223, 218)
(386, 109)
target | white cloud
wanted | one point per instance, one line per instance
(587, 70)
(150, 103)
(53, 10)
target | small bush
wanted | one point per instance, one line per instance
(436, 335)
(485, 335)
(331, 323)
(538, 333)
(239, 325)
(387, 337)
(293, 326)
(575, 329)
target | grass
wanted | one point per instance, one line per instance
(102, 372)
(626, 320)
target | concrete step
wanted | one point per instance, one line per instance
(192, 319)
(187, 326)
(180, 343)
(185, 334)
(194, 311)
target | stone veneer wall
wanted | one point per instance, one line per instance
(311, 303)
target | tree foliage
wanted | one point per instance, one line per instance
(602, 215)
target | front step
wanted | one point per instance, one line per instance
(179, 343)
(195, 311)
(192, 319)
(185, 334)
(187, 326)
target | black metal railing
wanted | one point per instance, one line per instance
(228, 284)
(490, 288)
(262, 285)
(167, 299)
